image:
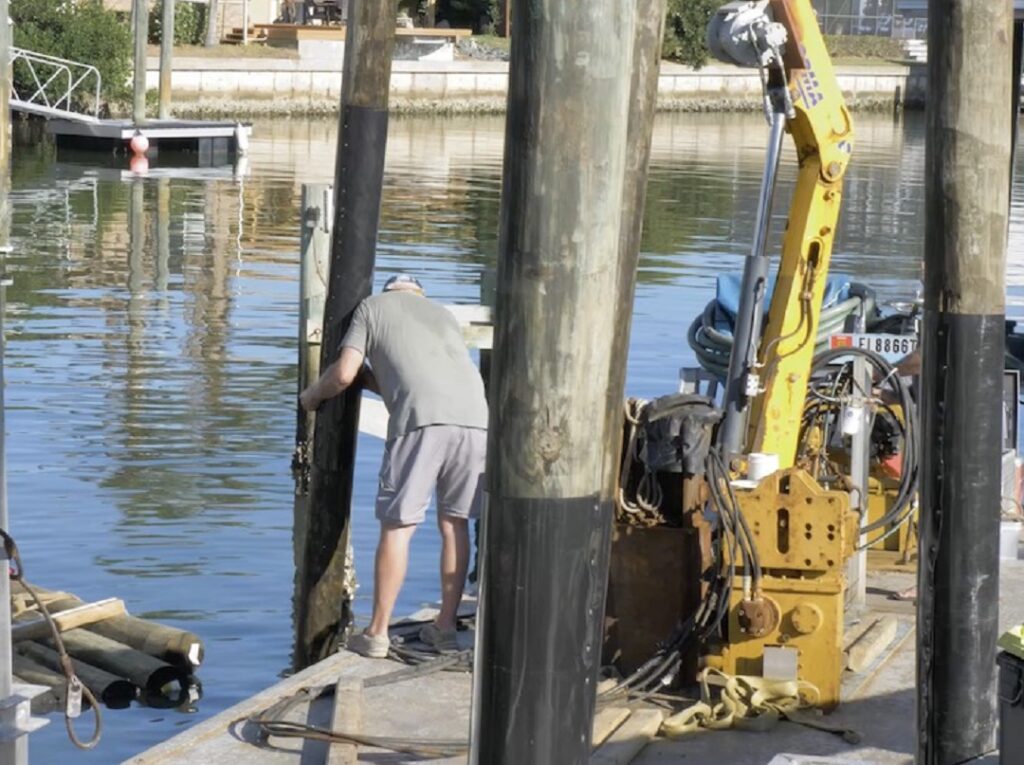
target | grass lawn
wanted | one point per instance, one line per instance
(493, 41)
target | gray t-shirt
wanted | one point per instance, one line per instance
(416, 350)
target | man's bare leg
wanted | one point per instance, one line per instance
(454, 564)
(390, 565)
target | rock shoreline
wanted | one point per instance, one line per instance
(247, 108)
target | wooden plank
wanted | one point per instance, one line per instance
(632, 736)
(606, 721)
(348, 718)
(870, 645)
(81, 616)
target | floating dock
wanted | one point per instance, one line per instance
(211, 143)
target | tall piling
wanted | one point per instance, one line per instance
(967, 207)
(166, 57)
(649, 31)
(140, 30)
(547, 526)
(212, 12)
(321, 610)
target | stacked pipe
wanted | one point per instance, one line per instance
(120, 659)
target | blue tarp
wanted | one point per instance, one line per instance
(727, 296)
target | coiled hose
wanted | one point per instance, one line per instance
(713, 346)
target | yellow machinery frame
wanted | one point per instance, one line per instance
(803, 533)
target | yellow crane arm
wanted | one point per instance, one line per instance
(823, 133)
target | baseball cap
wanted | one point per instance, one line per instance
(403, 282)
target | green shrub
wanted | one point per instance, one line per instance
(863, 46)
(189, 23)
(686, 30)
(81, 31)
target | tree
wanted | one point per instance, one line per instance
(686, 31)
(79, 31)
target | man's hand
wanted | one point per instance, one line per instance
(335, 379)
(309, 399)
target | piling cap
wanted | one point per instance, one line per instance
(1013, 641)
(403, 282)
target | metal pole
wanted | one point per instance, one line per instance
(322, 610)
(140, 18)
(860, 444)
(166, 53)
(548, 519)
(245, 22)
(750, 315)
(212, 9)
(11, 750)
(968, 139)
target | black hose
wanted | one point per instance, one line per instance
(902, 507)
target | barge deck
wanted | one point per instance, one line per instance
(879, 705)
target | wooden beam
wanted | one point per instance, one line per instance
(81, 616)
(625, 743)
(347, 717)
(606, 721)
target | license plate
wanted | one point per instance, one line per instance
(890, 347)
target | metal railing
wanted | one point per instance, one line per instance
(55, 83)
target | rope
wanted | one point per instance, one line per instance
(271, 723)
(750, 703)
(74, 689)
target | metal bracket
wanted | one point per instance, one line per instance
(16, 718)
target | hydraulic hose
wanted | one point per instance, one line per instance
(713, 347)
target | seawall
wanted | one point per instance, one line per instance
(269, 86)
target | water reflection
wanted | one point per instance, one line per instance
(152, 351)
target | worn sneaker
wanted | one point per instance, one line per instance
(442, 641)
(371, 646)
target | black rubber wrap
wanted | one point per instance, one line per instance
(958, 572)
(545, 578)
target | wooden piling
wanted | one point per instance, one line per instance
(140, 30)
(967, 186)
(178, 647)
(114, 691)
(28, 671)
(145, 671)
(547, 527)
(649, 31)
(166, 53)
(323, 612)
(212, 11)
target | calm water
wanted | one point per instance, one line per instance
(151, 357)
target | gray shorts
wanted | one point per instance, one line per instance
(450, 457)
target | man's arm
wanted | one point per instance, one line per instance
(335, 379)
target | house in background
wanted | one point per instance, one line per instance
(229, 12)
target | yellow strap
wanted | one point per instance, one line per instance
(750, 703)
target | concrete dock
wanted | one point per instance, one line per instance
(878, 704)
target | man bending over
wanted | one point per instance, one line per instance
(436, 437)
